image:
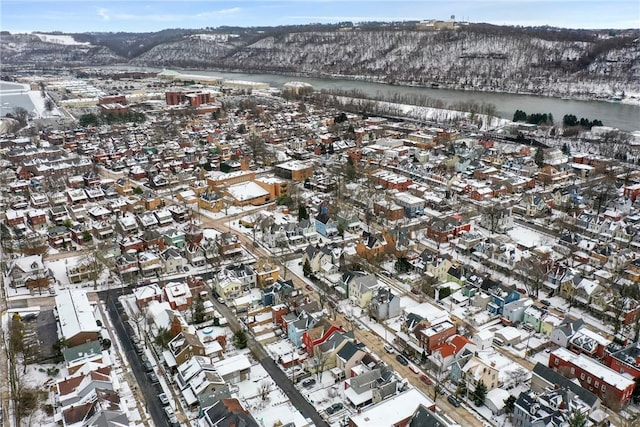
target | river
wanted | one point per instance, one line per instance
(615, 114)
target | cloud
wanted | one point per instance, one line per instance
(103, 13)
(221, 12)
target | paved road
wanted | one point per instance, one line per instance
(148, 390)
(287, 386)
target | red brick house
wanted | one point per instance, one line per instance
(441, 229)
(37, 218)
(431, 337)
(614, 389)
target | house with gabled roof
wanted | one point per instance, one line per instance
(457, 348)
(545, 378)
(326, 225)
(317, 256)
(349, 355)
(561, 334)
(183, 347)
(228, 413)
(371, 244)
(319, 333)
(100, 408)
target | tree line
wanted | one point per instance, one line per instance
(534, 118)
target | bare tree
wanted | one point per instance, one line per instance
(319, 361)
(533, 273)
(264, 389)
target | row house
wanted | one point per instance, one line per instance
(589, 343)
(442, 229)
(37, 219)
(614, 389)
(431, 337)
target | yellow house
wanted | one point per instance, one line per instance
(266, 273)
(227, 287)
(360, 289)
(477, 370)
(549, 323)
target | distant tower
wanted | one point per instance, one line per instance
(453, 18)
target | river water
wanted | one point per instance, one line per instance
(622, 116)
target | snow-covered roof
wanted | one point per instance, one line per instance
(233, 364)
(75, 313)
(247, 191)
(595, 368)
(392, 410)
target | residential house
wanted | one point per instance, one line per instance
(145, 294)
(477, 370)
(244, 273)
(457, 348)
(318, 334)
(550, 408)
(174, 237)
(178, 295)
(360, 288)
(441, 230)
(585, 341)
(349, 355)
(266, 273)
(199, 382)
(370, 245)
(128, 266)
(234, 369)
(228, 413)
(77, 324)
(228, 245)
(533, 316)
(183, 347)
(227, 286)
(320, 258)
(150, 264)
(173, 261)
(585, 291)
(562, 333)
(278, 293)
(29, 272)
(384, 305)
(296, 325)
(514, 311)
(326, 226)
(368, 385)
(614, 389)
(37, 219)
(500, 296)
(544, 378)
(432, 336)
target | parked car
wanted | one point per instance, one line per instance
(389, 349)
(309, 287)
(153, 377)
(402, 360)
(148, 367)
(169, 411)
(334, 408)
(425, 379)
(220, 300)
(414, 368)
(309, 382)
(545, 302)
(164, 399)
(452, 399)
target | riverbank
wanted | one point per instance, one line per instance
(630, 99)
(620, 115)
